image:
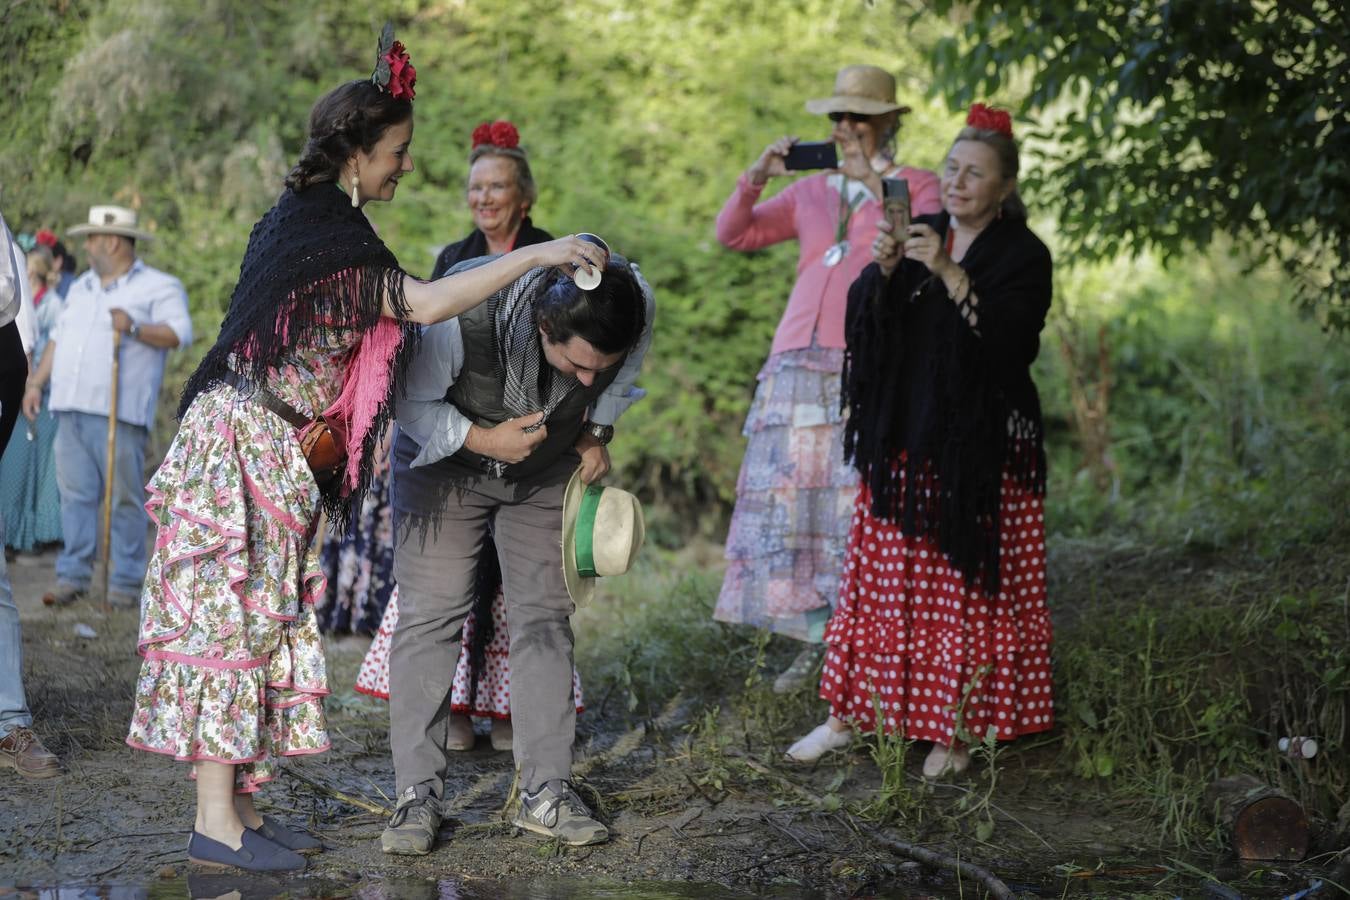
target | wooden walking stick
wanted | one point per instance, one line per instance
(109, 471)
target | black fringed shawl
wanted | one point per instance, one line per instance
(315, 269)
(475, 245)
(952, 408)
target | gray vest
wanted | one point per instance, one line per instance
(477, 393)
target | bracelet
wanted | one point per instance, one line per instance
(962, 286)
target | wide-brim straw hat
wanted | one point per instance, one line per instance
(111, 220)
(866, 90)
(602, 533)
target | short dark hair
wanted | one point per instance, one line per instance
(610, 318)
(353, 116)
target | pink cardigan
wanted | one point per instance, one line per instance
(808, 210)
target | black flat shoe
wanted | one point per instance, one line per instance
(256, 854)
(290, 838)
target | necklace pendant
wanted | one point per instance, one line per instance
(835, 255)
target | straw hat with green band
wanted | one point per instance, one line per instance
(602, 534)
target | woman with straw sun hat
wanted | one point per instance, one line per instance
(793, 497)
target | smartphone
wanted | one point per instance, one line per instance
(811, 155)
(895, 202)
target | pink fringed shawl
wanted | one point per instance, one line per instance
(365, 388)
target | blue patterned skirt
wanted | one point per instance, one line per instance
(794, 500)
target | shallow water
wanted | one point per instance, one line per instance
(256, 887)
(1244, 881)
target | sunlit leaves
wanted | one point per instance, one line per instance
(1167, 123)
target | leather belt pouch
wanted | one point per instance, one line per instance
(322, 440)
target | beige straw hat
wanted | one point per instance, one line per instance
(866, 90)
(602, 534)
(111, 220)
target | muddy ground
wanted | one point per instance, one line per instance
(684, 822)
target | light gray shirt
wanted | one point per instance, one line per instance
(440, 428)
(82, 367)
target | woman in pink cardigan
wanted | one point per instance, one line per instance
(795, 493)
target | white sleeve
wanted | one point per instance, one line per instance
(438, 427)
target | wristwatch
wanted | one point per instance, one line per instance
(134, 331)
(602, 433)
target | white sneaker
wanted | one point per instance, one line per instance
(820, 741)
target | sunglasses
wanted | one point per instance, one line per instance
(848, 117)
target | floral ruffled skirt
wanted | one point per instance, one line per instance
(794, 500)
(234, 668)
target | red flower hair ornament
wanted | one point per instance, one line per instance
(500, 133)
(394, 71)
(46, 238)
(990, 119)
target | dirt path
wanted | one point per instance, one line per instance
(685, 804)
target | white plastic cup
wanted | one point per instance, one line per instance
(584, 278)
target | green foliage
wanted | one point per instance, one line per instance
(1224, 408)
(638, 118)
(1165, 124)
(1161, 697)
(893, 801)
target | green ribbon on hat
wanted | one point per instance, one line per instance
(584, 532)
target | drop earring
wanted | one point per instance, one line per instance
(355, 200)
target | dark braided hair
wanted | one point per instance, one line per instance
(353, 116)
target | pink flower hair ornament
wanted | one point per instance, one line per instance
(500, 133)
(394, 71)
(990, 119)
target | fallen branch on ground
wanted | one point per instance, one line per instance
(359, 803)
(991, 882)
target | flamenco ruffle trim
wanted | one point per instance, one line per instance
(186, 537)
(868, 637)
(224, 715)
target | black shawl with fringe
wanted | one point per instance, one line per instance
(314, 269)
(953, 408)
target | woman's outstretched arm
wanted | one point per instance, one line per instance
(445, 298)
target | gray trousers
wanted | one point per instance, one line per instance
(434, 567)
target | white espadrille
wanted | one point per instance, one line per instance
(820, 741)
(944, 762)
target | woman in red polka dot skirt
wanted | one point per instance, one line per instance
(942, 622)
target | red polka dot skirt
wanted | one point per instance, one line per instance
(493, 699)
(908, 632)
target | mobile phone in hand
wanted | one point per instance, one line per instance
(811, 155)
(895, 203)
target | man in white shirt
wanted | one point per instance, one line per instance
(500, 407)
(19, 746)
(118, 293)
